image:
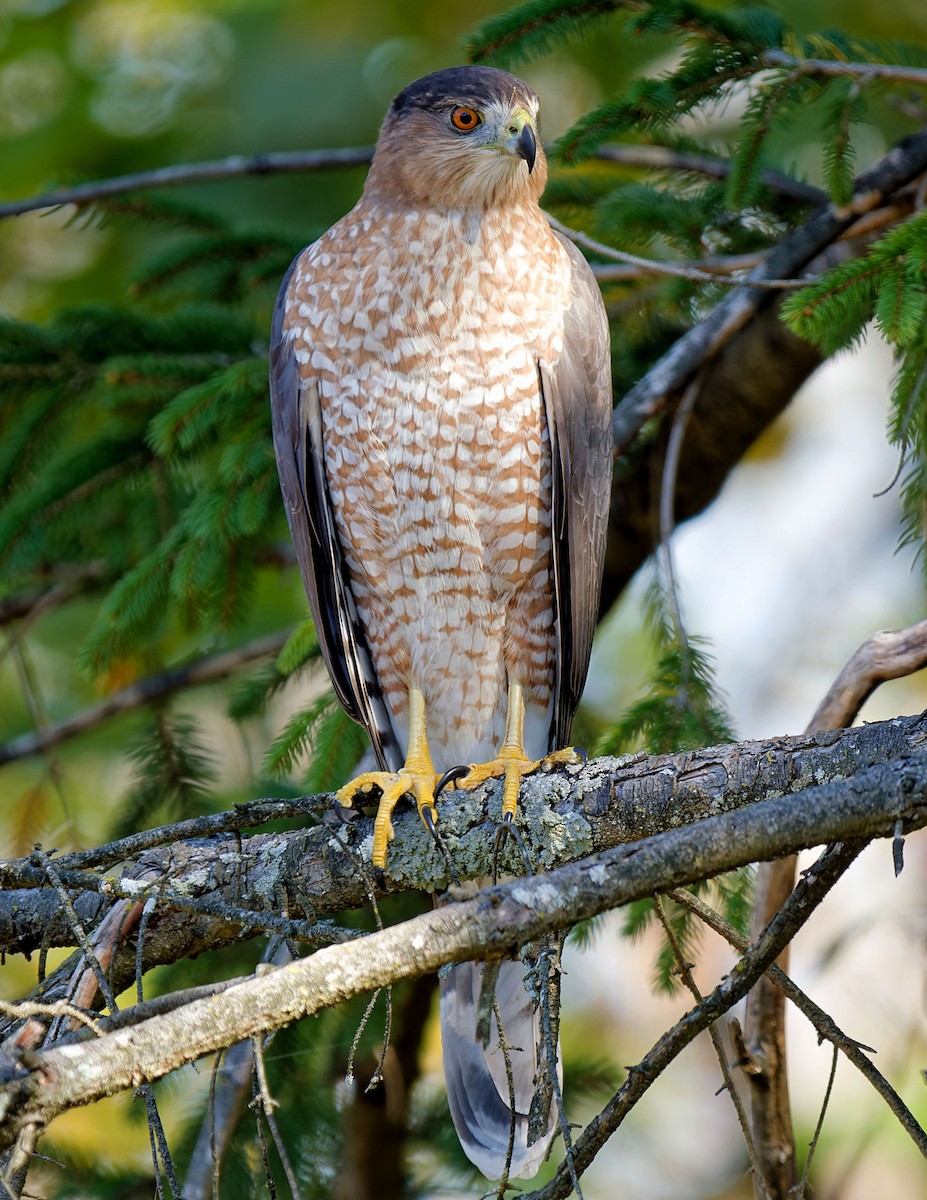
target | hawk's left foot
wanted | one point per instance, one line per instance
(510, 766)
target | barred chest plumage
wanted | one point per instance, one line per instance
(424, 330)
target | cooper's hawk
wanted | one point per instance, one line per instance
(441, 400)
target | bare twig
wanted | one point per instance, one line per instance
(823, 1023)
(155, 687)
(809, 893)
(77, 928)
(668, 158)
(803, 1182)
(652, 266)
(865, 72)
(233, 167)
(889, 654)
(267, 1105)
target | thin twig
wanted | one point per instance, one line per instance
(652, 266)
(668, 520)
(502, 1186)
(268, 1104)
(865, 72)
(204, 670)
(224, 168)
(688, 979)
(18, 872)
(34, 1008)
(803, 1183)
(77, 928)
(159, 1146)
(550, 1043)
(823, 1023)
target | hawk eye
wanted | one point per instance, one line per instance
(465, 119)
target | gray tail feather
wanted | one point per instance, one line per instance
(477, 1086)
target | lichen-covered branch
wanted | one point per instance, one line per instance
(42, 1084)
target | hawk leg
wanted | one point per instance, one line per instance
(417, 779)
(512, 762)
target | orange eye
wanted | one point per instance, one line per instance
(465, 119)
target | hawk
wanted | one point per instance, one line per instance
(441, 398)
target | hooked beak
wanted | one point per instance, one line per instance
(526, 146)
(519, 138)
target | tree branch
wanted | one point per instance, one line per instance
(234, 167)
(865, 72)
(824, 1024)
(565, 816)
(713, 166)
(498, 921)
(904, 162)
(798, 908)
(143, 691)
(885, 655)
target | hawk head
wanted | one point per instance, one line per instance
(461, 138)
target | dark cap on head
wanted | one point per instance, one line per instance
(453, 85)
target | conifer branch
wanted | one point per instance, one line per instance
(903, 163)
(144, 691)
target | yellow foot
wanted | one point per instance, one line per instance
(420, 785)
(510, 766)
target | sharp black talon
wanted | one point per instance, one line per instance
(379, 876)
(428, 817)
(344, 816)
(450, 776)
(505, 829)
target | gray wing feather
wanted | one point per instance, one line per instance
(297, 428)
(577, 395)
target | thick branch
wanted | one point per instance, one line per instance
(496, 922)
(206, 884)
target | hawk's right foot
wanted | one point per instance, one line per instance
(393, 785)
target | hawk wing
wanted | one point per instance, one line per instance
(577, 393)
(298, 445)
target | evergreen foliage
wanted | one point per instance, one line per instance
(888, 286)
